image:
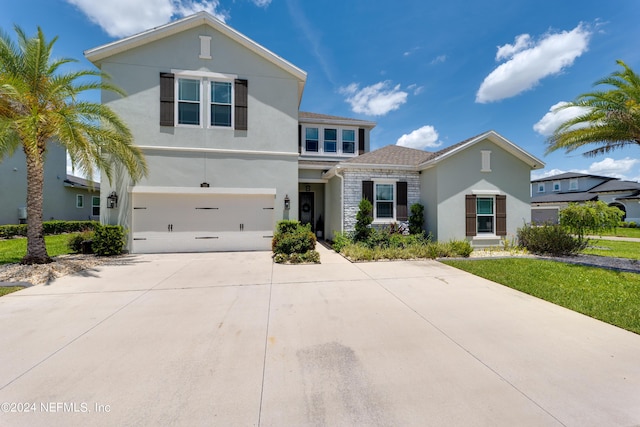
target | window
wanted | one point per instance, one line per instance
(348, 141)
(484, 212)
(330, 140)
(221, 104)
(541, 187)
(556, 186)
(95, 205)
(311, 140)
(573, 184)
(188, 102)
(79, 201)
(383, 207)
(486, 161)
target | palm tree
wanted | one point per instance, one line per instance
(39, 105)
(611, 117)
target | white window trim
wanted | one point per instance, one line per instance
(205, 79)
(493, 215)
(541, 187)
(377, 220)
(559, 186)
(573, 184)
(80, 197)
(486, 161)
(339, 141)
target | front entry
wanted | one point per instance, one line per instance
(306, 211)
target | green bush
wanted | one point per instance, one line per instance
(340, 240)
(549, 239)
(48, 227)
(289, 239)
(108, 240)
(460, 248)
(364, 218)
(417, 248)
(416, 219)
(75, 242)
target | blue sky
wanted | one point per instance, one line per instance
(429, 73)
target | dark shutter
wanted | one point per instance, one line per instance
(367, 190)
(501, 215)
(242, 104)
(360, 141)
(299, 139)
(167, 91)
(470, 214)
(401, 201)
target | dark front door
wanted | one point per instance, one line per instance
(306, 213)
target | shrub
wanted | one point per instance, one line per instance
(460, 248)
(340, 240)
(364, 218)
(48, 227)
(287, 226)
(76, 241)
(416, 219)
(549, 239)
(292, 237)
(108, 240)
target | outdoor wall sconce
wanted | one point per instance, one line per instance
(112, 200)
(287, 203)
(204, 185)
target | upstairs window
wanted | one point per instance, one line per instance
(348, 141)
(221, 102)
(188, 102)
(330, 140)
(573, 184)
(311, 140)
(556, 186)
(541, 187)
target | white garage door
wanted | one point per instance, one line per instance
(201, 222)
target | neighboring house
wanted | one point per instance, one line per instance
(66, 197)
(230, 154)
(550, 195)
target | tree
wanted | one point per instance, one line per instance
(611, 117)
(416, 220)
(40, 105)
(364, 218)
(592, 217)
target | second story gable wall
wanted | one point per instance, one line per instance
(272, 100)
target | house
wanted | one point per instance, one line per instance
(66, 197)
(551, 194)
(230, 153)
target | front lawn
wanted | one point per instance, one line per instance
(622, 232)
(4, 290)
(602, 294)
(613, 248)
(13, 250)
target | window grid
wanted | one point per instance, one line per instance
(189, 101)
(384, 201)
(485, 214)
(329, 141)
(79, 201)
(218, 101)
(221, 103)
(95, 205)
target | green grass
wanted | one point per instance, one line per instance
(4, 290)
(602, 294)
(622, 232)
(613, 248)
(13, 250)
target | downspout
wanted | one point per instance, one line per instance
(342, 198)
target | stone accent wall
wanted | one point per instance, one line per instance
(353, 189)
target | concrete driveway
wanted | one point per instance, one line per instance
(231, 339)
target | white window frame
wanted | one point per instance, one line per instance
(556, 183)
(492, 215)
(486, 161)
(541, 188)
(573, 184)
(384, 220)
(80, 201)
(95, 203)
(339, 141)
(205, 79)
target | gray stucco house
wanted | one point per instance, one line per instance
(551, 194)
(230, 154)
(66, 197)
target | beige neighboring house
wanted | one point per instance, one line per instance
(66, 197)
(230, 153)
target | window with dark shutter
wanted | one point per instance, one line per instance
(470, 214)
(501, 215)
(367, 190)
(167, 94)
(402, 213)
(360, 141)
(241, 104)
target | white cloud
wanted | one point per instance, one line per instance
(556, 116)
(545, 174)
(262, 3)
(611, 167)
(439, 59)
(425, 137)
(530, 61)
(121, 18)
(417, 90)
(375, 100)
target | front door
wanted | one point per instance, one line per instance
(306, 209)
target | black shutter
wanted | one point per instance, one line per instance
(402, 213)
(470, 214)
(242, 104)
(367, 190)
(360, 141)
(299, 139)
(167, 91)
(501, 215)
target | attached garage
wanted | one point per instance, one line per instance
(175, 219)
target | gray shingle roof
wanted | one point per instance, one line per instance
(615, 185)
(392, 155)
(306, 116)
(564, 197)
(569, 175)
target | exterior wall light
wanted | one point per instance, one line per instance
(112, 200)
(287, 203)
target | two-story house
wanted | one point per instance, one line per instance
(551, 194)
(230, 154)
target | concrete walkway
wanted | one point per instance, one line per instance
(231, 339)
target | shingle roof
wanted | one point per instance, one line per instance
(392, 155)
(569, 175)
(327, 164)
(564, 197)
(74, 181)
(615, 185)
(306, 116)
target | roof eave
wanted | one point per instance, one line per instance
(323, 121)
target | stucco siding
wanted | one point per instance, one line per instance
(429, 197)
(333, 207)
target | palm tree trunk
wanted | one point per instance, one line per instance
(36, 248)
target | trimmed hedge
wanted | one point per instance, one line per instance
(294, 242)
(108, 240)
(48, 227)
